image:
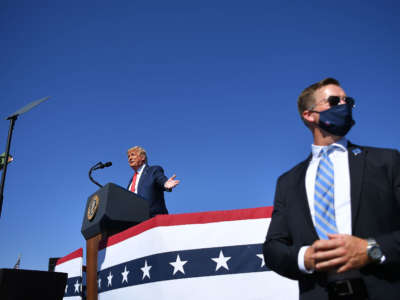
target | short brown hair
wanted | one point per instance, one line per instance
(139, 150)
(306, 100)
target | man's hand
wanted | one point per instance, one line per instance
(309, 261)
(171, 183)
(342, 252)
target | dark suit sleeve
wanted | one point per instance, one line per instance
(279, 252)
(160, 178)
(390, 243)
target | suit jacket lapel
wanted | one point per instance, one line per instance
(142, 178)
(356, 156)
(303, 194)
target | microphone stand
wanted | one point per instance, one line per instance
(12, 119)
(95, 167)
(3, 175)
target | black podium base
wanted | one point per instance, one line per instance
(31, 285)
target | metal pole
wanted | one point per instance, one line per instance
(92, 250)
(3, 176)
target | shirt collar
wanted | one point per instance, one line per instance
(339, 145)
(140, 170)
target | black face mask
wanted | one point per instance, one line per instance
(337, 120)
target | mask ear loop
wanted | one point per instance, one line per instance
(353, 102)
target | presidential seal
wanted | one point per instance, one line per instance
(92, 207)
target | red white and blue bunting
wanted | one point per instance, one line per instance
(72, 264)
(211, 255)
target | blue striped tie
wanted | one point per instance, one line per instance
(324, 200)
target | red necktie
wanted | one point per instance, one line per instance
(133, 183)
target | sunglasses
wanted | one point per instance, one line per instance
(335, 100)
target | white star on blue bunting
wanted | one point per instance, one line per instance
(221, 261)
(76, 285)
(109, 278)
(261, 256)
(146, 270)
(125, 275)
(178, 265)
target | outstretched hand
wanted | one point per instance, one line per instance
(171, 182)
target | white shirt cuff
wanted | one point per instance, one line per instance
(300, 260)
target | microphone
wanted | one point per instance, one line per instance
(97, 166)
(106, 165)
(100, 165)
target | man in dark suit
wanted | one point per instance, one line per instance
(336, 221)
(149, 182)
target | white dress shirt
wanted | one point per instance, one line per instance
(340, 161)
(139, 173)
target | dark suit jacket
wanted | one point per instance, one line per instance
(375, 210)
(151, 188)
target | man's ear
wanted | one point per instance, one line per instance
(309, 116)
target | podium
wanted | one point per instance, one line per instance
(109, 210)
(18, 284)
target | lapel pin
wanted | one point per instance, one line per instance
(356, 151)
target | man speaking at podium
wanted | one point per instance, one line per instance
(149, 182)
(336, 221)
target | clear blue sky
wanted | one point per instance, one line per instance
(208, 88)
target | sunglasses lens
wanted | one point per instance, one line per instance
(333, 100)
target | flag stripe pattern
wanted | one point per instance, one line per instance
(189, 218)
(191, 263)
(72, 265)
(73, 288)
(212, 255)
